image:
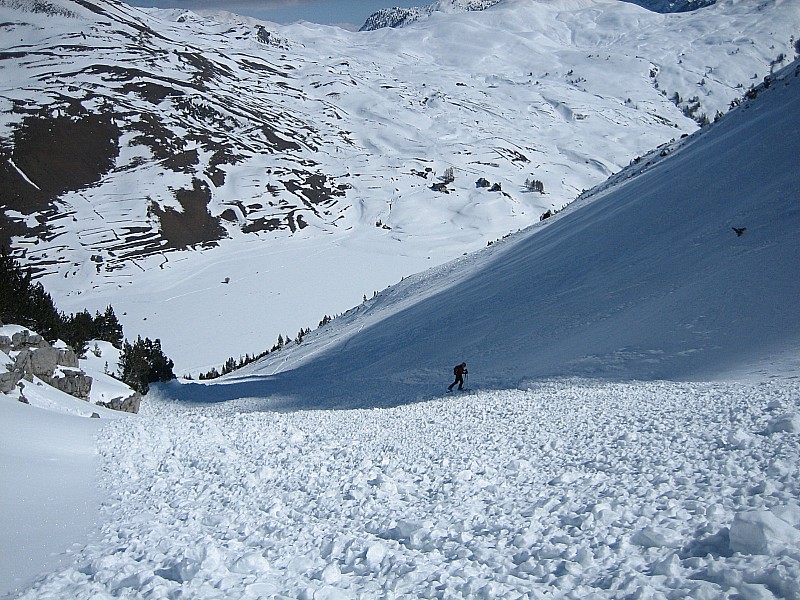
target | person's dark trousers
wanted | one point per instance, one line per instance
(459, 380)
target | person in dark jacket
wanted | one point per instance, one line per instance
(459, 371)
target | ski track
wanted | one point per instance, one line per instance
(568, 489)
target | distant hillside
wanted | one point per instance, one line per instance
(197, 174)
(400, 17)
(672, 6)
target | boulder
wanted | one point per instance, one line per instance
(26, 339)
(68, 358)
(55, 366)
(129, 404)
(38, 362)
(9, 380)
(71, 381)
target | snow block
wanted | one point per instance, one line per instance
(375, 554)
(763, 532)
(789, 423)
(669, 567)
(657, 537)
(741, 439)
(252, 562)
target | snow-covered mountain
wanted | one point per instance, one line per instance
(223, 183)
(400, 17)
(576, 466)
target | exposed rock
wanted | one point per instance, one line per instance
(26, 339)
(37, 358)
(9, 380)
(22, 397)
(68, 358)
(57, 366)
(129, 404)
(73, 382)
(40, 362)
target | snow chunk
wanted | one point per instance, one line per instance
(252, 562)
(181, 571)
(375, 555)
(331, 574)
(669, 567)
(789, 423)
(741, 439)
(764, 532)
(657, 537)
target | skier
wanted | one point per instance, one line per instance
(459, 371)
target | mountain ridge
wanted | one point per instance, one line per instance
(401, 17)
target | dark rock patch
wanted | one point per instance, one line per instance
(50, 156)
(195, 225)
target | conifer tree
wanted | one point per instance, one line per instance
(143, 363)
(24, 302)
(107, 328)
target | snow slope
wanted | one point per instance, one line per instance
(644, 278)
(537, 483)
(48, 465)
(246, 129)
(48, 474)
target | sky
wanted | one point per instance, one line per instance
(348, 13)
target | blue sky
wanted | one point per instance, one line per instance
(352, 13)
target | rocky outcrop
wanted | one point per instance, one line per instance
(26, 355)
(8, 380)
(129, 404)
(34, 357)
(73, 382)
(55, 366)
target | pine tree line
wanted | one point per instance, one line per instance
(143, 363)
(26, 303)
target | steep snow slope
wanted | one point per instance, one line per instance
(643, 279)
(265, 156)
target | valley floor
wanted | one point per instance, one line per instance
(569, 489)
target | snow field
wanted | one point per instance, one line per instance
(569, 489)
